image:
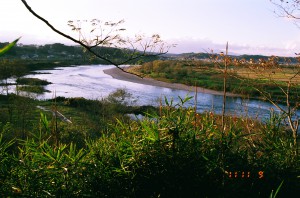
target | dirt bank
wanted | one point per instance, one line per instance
(120, 75)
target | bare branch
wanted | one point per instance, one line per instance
(106, 39)
(288, 8)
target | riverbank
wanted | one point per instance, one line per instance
(120, 75)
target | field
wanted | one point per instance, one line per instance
(249, 80)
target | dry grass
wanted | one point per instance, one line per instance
(275, 74)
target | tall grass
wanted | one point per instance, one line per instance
(175, 153)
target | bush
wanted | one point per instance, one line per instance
(171, 153)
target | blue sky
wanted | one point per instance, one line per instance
(250, 26)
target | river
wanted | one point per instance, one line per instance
(92, 83)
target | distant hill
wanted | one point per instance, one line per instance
(75, 54)
(64, 53)
(202, 56)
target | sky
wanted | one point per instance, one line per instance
(249, 26)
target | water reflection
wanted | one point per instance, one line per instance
(91, 82)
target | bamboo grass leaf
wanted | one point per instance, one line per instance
(73, 156)
(8, 47)
(277, 190)
(181, 99)
(150, 132)
(187, 99)
(166, 101)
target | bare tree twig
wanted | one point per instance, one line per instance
(288, 8)
(85, 45)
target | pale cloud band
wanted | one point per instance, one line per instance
(206, 45)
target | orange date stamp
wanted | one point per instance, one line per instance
(245, 174)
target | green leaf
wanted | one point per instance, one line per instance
(277, 190)
(8, 47)
(187, 98)
(180, 99)
(166, 101)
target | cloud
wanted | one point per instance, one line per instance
(188, 45)
(184, 45)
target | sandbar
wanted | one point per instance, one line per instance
(120, 75)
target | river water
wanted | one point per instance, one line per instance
(92, 83)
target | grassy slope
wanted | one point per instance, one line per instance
(243, 80)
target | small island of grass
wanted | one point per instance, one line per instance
(32, 81)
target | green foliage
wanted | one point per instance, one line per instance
(8, 47)
(171, 153)
(208, 74)
(44, 122)
(31, 81)
(204, 74)
(33, 89)
(277, 190)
